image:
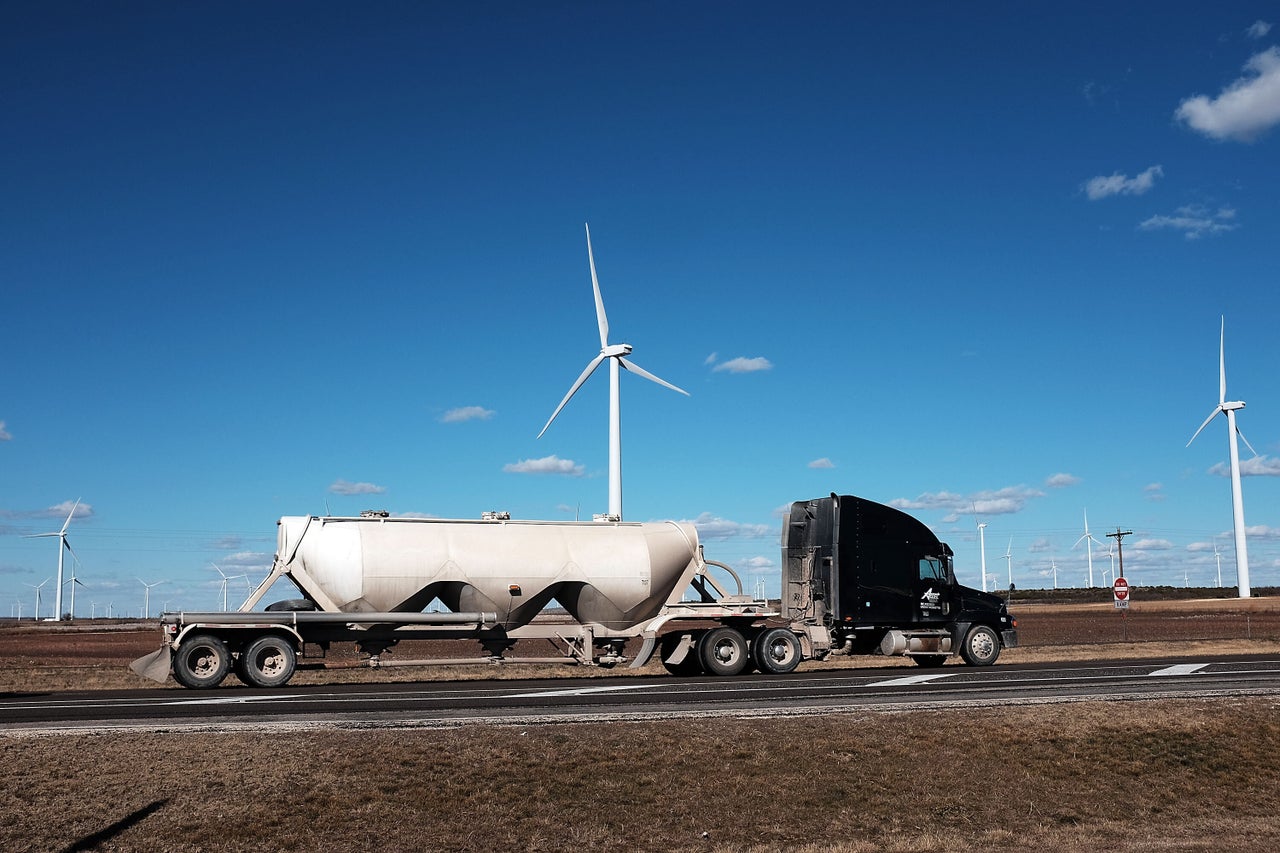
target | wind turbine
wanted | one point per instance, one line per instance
(63, 546)
(37, 589)
(1237, 499)
(1088, 541)
(146, 598)
(225, 578)
(1218, 556)
(616, 353)
(1008, 557)
(73, 582)
(982, 544)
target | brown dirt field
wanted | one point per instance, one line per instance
(1194, 775)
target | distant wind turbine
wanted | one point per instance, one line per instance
(225, 578)
(1217, 555)
(73, 582)
(1008, 557)
(982, 545)
(616, 354)
(63, 545)
(146, 598)
(37, 589)
(1237, 498)
(1088, 541)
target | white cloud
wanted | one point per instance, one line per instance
(1246, 108)
(1152, 545)
(1258, 29)
(758, 565)
(744, 365)
(1062, 481)
(546, 465)
(1004, 501)
(713, 527)
(62, 510)
(1118, 184)
(711, 359)
(1262, 531)
(1258, 466)
(5, 435)
(245, 560)
(824, 462)
(1198, 547)
(1194, 221)
(466, 413)
(343, 487)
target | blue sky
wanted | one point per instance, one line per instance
(268, 259)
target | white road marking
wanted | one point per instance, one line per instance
(1180, 669)
(581, 691)
(908, 680)
(236, 700)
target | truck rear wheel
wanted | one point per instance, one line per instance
(201, 661)
(723, 651)
(981, 646)
(267, 662)
(776, 651)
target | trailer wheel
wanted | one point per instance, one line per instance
(776, 651)
(723, 651)
(201, 661)
(267, 662)
(981, 646)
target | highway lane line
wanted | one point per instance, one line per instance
(909, 680)
(1179, 669)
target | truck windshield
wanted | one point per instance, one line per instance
(932, 569)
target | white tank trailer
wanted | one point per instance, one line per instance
(857, 577)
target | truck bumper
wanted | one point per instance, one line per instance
(1009, 638)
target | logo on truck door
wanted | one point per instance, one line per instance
(929, 601)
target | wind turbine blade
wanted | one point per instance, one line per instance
(67, 523)
(591, 366)
(1222, 363)
(1081, 539)
(40, 535)
(635, 368)
(595, 285)
(1240, 433)
(1207, 420)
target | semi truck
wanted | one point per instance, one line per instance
(857, 577)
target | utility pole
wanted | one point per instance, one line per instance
(1119, 537)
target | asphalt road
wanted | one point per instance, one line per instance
(548, 700)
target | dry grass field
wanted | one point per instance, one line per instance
(1141, 775)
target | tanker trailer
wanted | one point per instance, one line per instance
(369, 579)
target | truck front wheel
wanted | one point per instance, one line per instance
(267, 662)
(201, 661)
(981, 646)
(776, 651)
(723, 652)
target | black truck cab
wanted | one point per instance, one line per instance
(881, 582)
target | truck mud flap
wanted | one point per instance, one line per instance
(1009, 638)
(155, 665)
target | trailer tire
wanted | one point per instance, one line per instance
(929, 661)
(723, 651)
(981, 646)
(776, 651)
(202, 661)
(268, 661)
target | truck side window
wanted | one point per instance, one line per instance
(932, 570)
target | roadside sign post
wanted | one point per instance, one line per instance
(1120, 590)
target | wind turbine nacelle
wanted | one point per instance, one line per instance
(615, 350)
(1231, 407)
(613, 575)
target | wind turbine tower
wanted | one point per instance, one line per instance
(982, 545)
(1088, 541)
(1008, 558)
(1237, 499)
(146, 598)
(1217, 555)
(616, 354)
(63, 545)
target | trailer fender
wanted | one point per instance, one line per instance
(156, 665)
(646, 650)
(246, 633)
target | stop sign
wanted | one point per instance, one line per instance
(1121, 589)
